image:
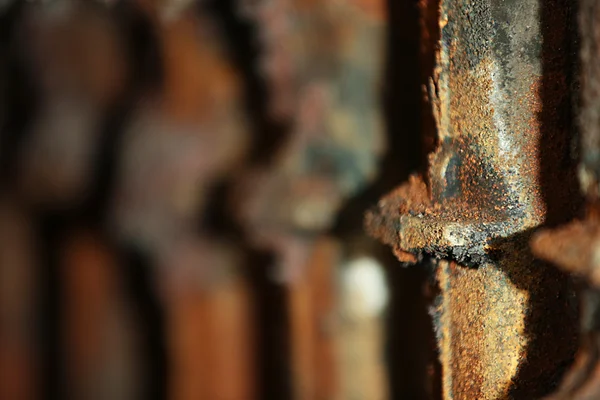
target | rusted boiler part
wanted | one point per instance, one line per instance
(505, 323)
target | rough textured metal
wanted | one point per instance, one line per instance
(496, 335)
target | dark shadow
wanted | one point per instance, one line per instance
(558, 120)
(271, 319)
(19, 103)
(50, 238)
(243, 42)
(410, 343)
(138, 274)
(20, 96)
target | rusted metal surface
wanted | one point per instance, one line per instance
(101, 330)
(177, 141)
(128, 135)
(19, 360)
(209, 322)
(486, 191)
(314, 325)
(574, 247)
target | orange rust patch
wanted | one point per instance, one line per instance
(210, 341)
(411, 197)
(498, 335)
(198, 78)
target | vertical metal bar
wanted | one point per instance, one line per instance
(209, 328)
(99, 331)
(20, 376)
(495, 331)
(313, 314)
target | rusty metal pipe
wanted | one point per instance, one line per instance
(486, 193)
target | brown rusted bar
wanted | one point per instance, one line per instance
(209, 325)
(504, 322)
(574, 247)
(313, 317)
(19, 360)
(100, 335)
